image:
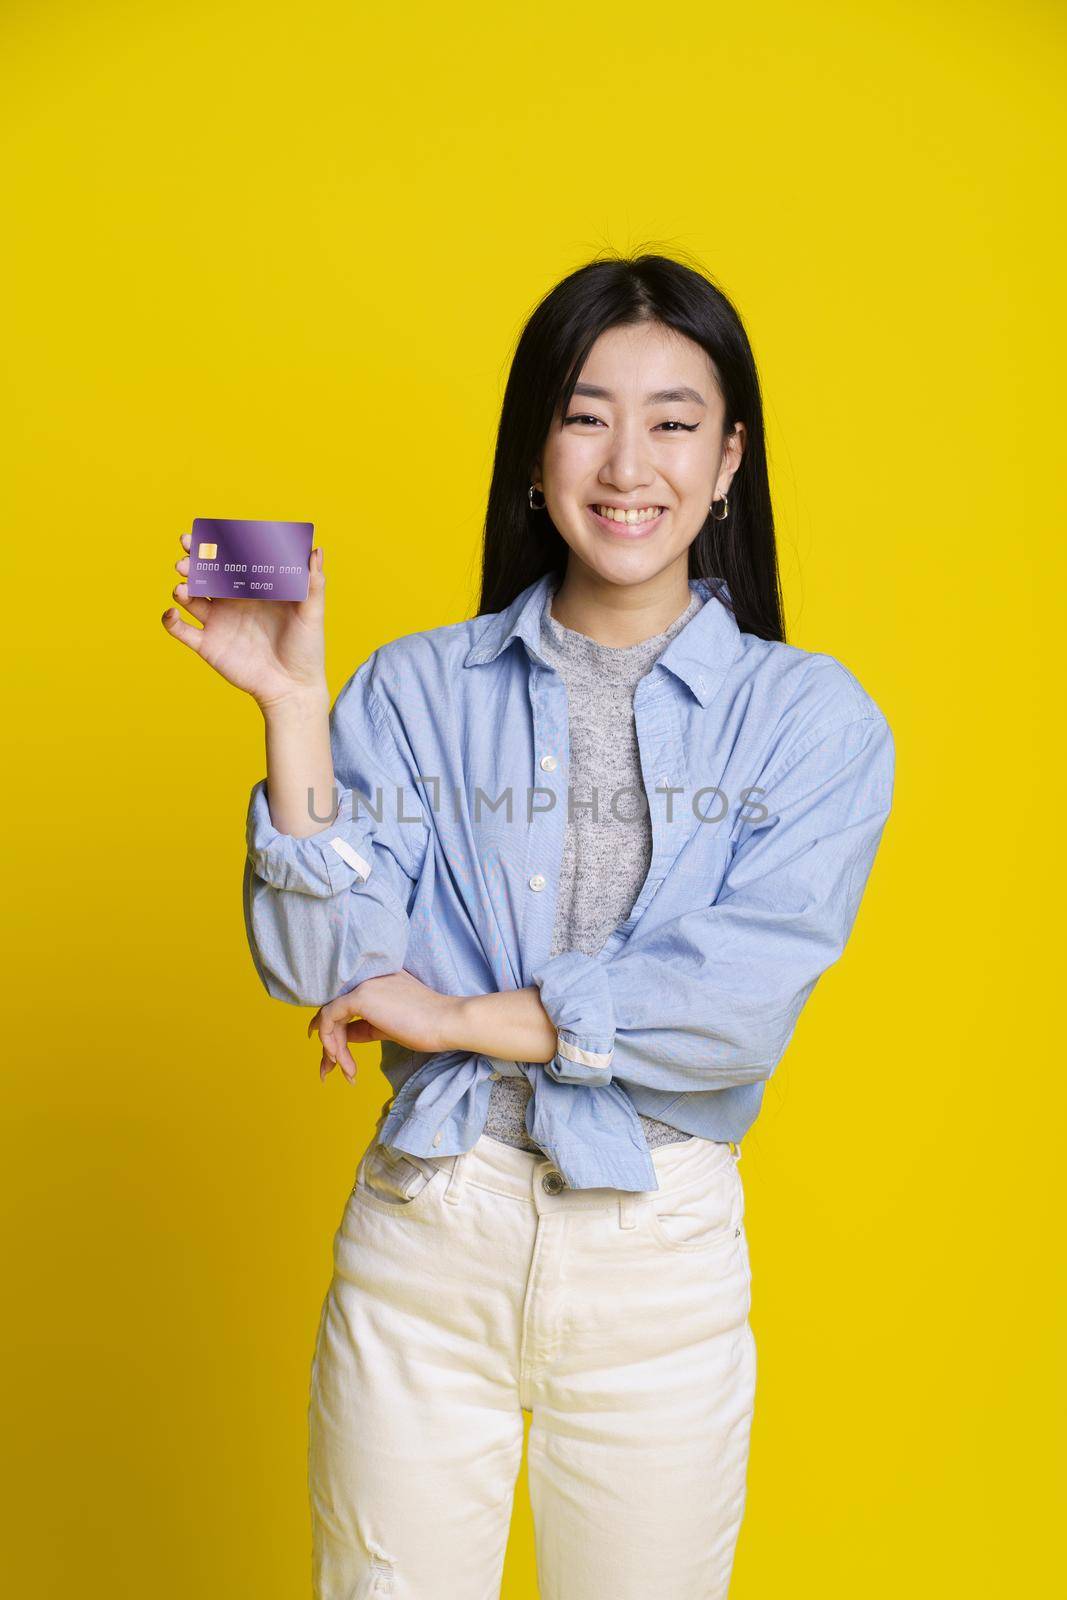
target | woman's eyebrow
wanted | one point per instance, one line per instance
(658, 397)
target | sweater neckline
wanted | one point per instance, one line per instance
(612, 660)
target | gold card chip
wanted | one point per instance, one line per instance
(208, 552)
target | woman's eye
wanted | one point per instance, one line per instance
(671, 425)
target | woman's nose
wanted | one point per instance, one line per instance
(627, 465)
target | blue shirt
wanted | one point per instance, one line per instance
(768, 771)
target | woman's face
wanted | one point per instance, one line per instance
(642, 434)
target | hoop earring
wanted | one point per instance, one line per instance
(725, 509)
(531, 491)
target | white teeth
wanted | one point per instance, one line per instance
(644, 514)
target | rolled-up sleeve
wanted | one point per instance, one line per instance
(577, 995)
(709, 999)
(326, 911)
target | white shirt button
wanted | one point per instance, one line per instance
(437, 1138)
(549, 763)
(495, 1075)
(537, 881)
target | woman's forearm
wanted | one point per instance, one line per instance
(513, 1025)
(299, 760)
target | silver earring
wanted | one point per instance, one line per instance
(725, 509)
(531, 491)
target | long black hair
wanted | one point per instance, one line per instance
(521, 545)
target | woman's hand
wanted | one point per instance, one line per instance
(513, 1025)
(396, 1007)
(272, 649)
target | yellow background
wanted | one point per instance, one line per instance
(265, 260)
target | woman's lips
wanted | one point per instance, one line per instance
(626, 530)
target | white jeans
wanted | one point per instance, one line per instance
(469, 1288)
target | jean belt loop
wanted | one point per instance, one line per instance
(627, 1203)
(454, 1187)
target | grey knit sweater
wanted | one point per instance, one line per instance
(605, 857)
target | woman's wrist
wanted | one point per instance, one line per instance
(297, 706)
(512, 1025)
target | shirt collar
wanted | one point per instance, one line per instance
(699, 654)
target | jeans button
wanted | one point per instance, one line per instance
(552, 1182)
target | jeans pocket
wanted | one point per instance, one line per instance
(702, 1212)
(393, 1180)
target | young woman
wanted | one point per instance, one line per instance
(577, 862)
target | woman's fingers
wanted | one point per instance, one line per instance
(329, 1048)
(335, 1041)
(177, 625)
(321, 1025)
(334, 1035)
(338, 1055)
(316, 586)
(344, 1056)
(335, 1014)
(198, 605)
(172, 619)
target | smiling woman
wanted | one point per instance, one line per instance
(647, 442)
(579, 1005)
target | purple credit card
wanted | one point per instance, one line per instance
(233, 560)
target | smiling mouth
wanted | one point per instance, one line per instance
(639, 519)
